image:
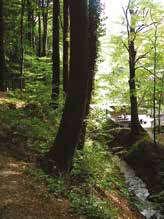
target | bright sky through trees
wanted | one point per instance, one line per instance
(113, 10)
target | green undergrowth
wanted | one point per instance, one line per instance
(36, 126)
(37, 74)
(94, 170)
(29, 116)
(28, 113)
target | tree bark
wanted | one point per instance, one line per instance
(21, 44)
(2, 52)
(159, 113)
(136, 127)
(160, 102)
(135, 124)
(61, 154)
(30, 23)
(55, 54)
(39, 34)
(65, 45)
(45, 27)
(154, 90)
(94, 21)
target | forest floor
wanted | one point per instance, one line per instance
(95, 188)
(23, 197)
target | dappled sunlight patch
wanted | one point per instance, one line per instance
(17, 165)
(3, 95)
(20, 166)
(6, 173)
(9, 102)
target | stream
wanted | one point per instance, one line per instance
(139, 188)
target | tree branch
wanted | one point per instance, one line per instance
(126, 16)
(141, 57)
(125, 45)
(143, 67)
(143, 26)
(146, 69)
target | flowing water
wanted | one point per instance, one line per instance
(139, 188)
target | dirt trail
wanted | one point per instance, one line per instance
(22, 198)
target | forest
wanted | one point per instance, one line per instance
(81, 109)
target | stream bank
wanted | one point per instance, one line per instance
(136, 185)
(142, 163)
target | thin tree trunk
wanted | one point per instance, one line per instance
(21, 44)
(39, 33)
(65, 45)
(33, 32)
(159, 105)
(61, 154)
(55, 54)
(39, 36)
(44, 44)
(2, 52)
(154, 91)
(45, 27)
(159, 113)
(30, 16)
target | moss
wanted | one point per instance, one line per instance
(138, 149)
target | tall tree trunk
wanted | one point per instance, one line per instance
(135, 124)
(55, 54)
(45, 27)
(39, 32)
(94, 21)
(21, 44)
(44, 43)
(30, 22)
(136, 127)
(154, 91)
(33, 31)
(2, 53)
(65, 45)
(62, 153)
(160, 104)
(159, 113)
